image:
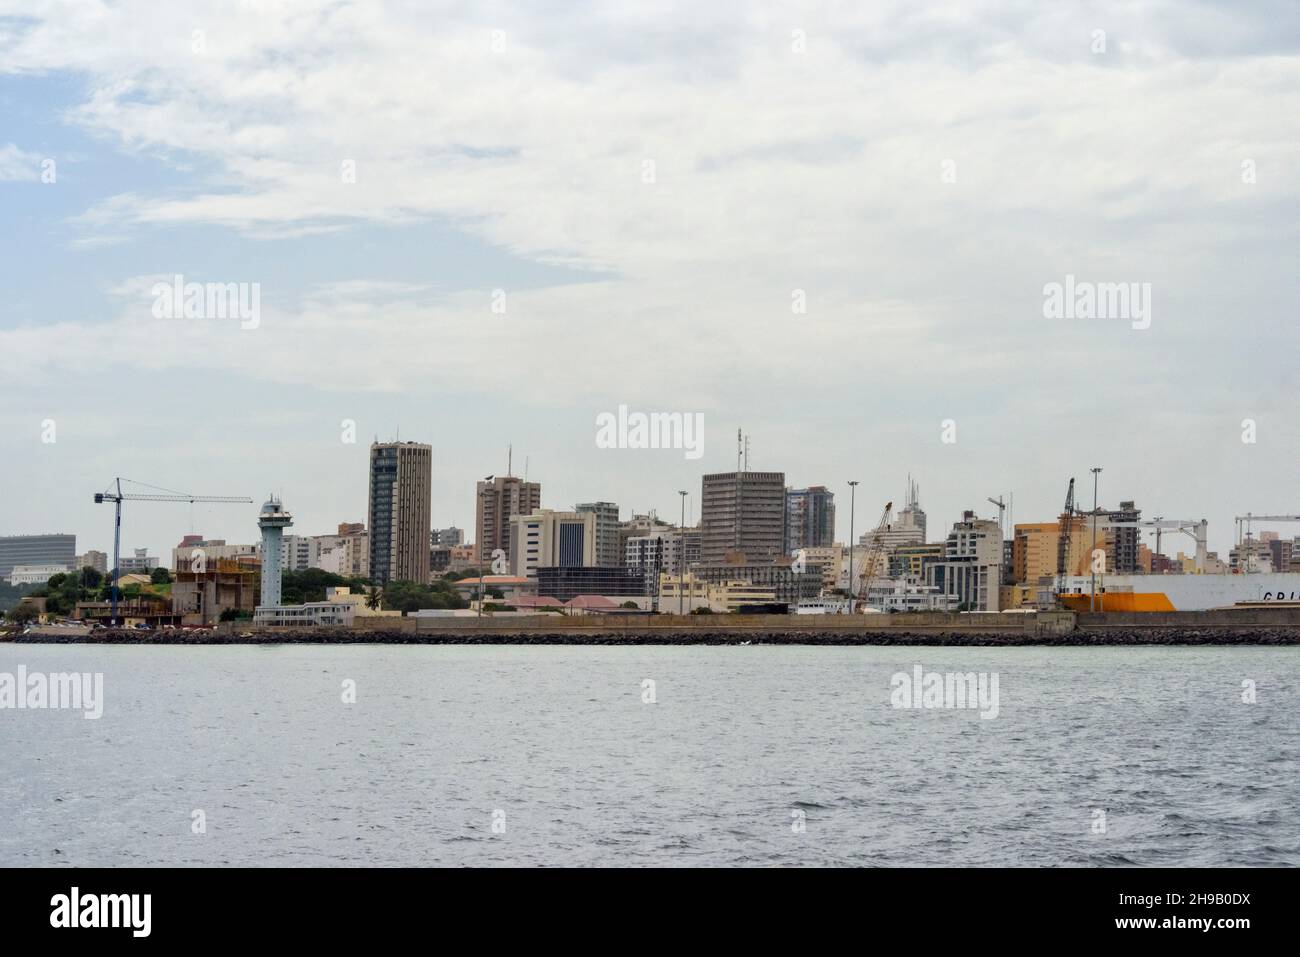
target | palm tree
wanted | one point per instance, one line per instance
(374, 597)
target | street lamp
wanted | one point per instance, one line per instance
(1092, 560)
(478, 533)
(681, 554)
(853, 490)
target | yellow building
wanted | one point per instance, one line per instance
(1034, 549)
(719, 597)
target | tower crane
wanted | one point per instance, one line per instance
(873, 554)
(1002, 509)
(115, 495)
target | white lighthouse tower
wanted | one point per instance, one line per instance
(272, 520)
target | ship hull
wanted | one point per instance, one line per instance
(1152, 593)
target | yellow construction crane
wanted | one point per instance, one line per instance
(874, 551)
(115, 495)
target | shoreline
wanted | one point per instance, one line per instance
(1263, 636)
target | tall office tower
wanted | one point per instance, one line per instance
(272, 520)
(498, 499)
(607, 542)
(809, 517)
(742, 512)
(401, 478)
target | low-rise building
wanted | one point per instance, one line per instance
(566, 582)
(35, 574)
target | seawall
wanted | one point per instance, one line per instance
(1262, 626)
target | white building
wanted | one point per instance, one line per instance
(35, 574)
(971, 570)
(547, 538)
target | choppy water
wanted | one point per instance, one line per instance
(741, 745)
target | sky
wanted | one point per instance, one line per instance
(483, 226)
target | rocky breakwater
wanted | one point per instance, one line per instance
(694, 636)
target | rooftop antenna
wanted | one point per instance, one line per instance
(510, 458)
(525, 468)
(739, 446)
(747, 453)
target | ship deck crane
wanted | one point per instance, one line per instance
(115, 495)
(1248, 518)
(1197, 529)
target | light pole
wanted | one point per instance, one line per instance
(478, 533)
(681, 555)
(853, 491)
(1092, 601)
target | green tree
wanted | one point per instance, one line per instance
(160, 576)
(23, 614)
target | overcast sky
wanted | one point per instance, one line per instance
(650, 186)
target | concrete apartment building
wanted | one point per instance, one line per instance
(400, 511)
(551, 539)
(37, 550)
(809, 517)
(1122, 543)
(1034, 550)
(608, 552)
(742, 512)
(447, 537)
(94, 559)
(972, 564)
(498, 499)
(779, 578)
(195, 550)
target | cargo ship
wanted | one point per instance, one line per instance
(1140, 593)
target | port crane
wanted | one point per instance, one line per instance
(874, 551)
(1248, 518)
(1196, 528)
(115, 495)
(1063, 538)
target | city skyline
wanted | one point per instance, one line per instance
(865, 245)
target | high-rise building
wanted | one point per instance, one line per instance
(498, 499)
(742, 512)
(401, 476)
(607, 542)
(809, 517)
(37, 550)
(547, 539)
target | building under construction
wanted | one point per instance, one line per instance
(199, 597)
